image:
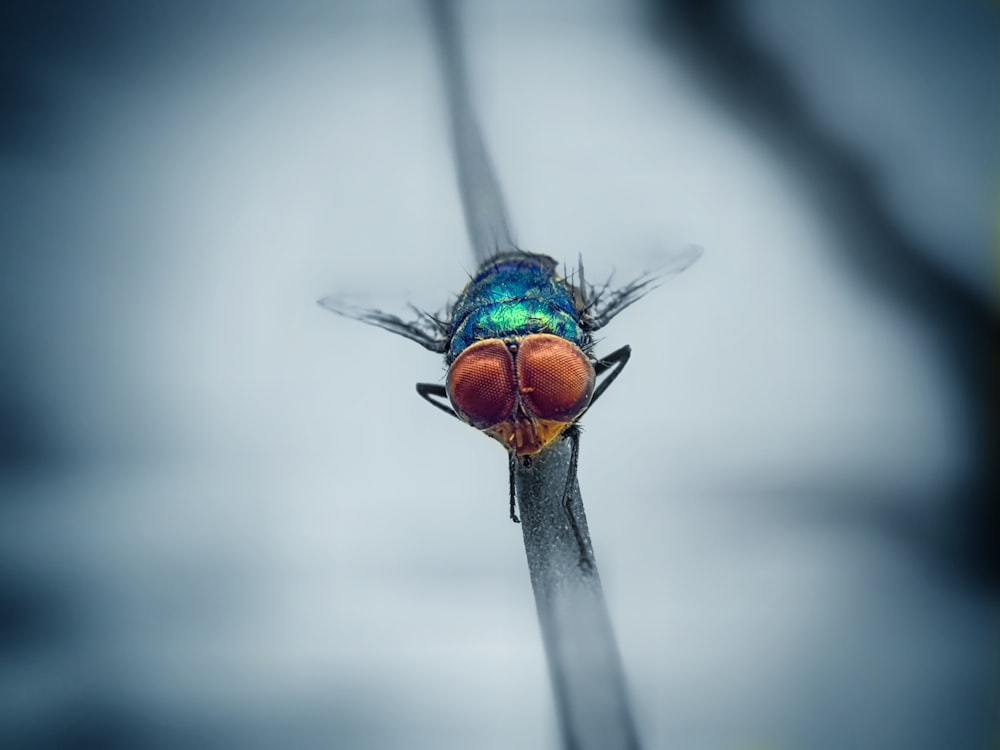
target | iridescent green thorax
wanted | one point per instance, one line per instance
(511, 296)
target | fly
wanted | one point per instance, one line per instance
(518, 345)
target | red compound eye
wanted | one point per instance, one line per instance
(556, 378)
(481, 383)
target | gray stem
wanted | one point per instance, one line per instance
(580, 647)
(583, 660)
(482, 199)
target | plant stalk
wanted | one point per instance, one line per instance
(583, 660)
(584, 665)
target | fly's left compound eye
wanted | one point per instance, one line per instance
(481, 383)
(556, 378)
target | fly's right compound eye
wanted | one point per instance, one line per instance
(556, 377)
(481, 383)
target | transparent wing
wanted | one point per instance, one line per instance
(601, 303)
(427, 330)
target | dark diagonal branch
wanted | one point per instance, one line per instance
(714, 38)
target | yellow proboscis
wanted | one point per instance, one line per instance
(525, 436)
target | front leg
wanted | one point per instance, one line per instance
(431, 391)
(615, 362)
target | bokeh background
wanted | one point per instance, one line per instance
(227, 521)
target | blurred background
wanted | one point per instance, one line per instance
(226, 521)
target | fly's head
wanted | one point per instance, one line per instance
(522, 391)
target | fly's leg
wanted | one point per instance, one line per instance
(511, 467)
(429, 391)
(573, 435)
(614, 362)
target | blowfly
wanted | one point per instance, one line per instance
(518, 345)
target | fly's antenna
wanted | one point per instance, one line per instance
(483, 203)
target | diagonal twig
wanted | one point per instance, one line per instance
(583, 660)
(482, 199)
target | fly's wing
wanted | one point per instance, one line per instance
(427, 330)
(599, 304)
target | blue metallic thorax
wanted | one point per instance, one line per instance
(512, 296)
